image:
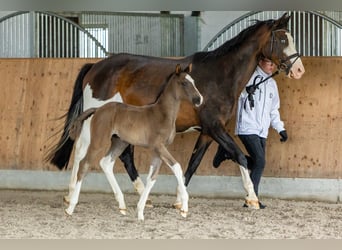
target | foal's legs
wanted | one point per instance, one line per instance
(107, 164)
(202, 144)
(84, 165)
(80, 150)
(177, 170)
(99, 147)
(150, 180)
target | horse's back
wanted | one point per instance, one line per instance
(136, 78)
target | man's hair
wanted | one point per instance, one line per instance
(262, 58)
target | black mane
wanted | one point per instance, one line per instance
(233, 43)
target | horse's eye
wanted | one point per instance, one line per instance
(184, 83)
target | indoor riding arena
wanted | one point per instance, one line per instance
(40, 59)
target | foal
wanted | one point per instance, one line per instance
(116, 125)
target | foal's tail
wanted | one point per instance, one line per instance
(59, 155)
(76, 125)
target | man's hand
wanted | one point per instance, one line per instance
(283, 136)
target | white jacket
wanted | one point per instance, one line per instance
(266, 108)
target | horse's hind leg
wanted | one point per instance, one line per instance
(150, 180)
(83, 168)
(177, 170)
(107, 165)
(80, 150)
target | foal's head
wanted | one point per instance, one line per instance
(281, 49)
(185, 85)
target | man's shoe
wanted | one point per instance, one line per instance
(262, 206)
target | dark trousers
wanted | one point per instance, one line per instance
(255, 147)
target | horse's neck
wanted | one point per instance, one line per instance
(169, 102)
(242, 65)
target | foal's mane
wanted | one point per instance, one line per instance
(233, 43)
(163, 87)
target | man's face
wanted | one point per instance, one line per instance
(267, 65)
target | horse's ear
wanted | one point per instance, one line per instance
(282, 21)
(178, 69)
(189, 68)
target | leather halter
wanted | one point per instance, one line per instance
(285, 64)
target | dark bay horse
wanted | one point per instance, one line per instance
(115, 125)
(220, 76)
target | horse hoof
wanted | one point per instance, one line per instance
(184, 214)
(123, 211)
(252, 204)
(67, 212)
(149, 203)
(140, 217)
(177, 205)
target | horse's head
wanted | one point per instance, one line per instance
(281, 49)
(186, 85)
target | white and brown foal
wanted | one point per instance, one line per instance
(116, 125)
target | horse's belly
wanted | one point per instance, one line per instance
(187, 119)
(90, 102)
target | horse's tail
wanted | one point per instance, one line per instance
(76, 125)
(59, 155)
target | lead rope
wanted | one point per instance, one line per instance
(252, 88)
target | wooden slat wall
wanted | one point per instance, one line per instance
(34, 92)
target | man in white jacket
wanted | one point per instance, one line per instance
(258, 110)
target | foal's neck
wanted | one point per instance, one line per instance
(169, 102)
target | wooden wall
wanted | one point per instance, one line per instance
(35, 92)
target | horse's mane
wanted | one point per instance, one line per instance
(233, 43)
(163, 86)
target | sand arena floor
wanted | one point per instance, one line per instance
(40, 215)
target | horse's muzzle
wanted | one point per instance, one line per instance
(197, 101)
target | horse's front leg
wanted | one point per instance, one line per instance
(201, 147)
(225, 140)
(177, 170)
(150, 180)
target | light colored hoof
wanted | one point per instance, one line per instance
(252, 204)
(177, 205)
(68, 212)
(184, 214)
(123, 211)
(140, 217)
(66, 199)
(149, 203)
